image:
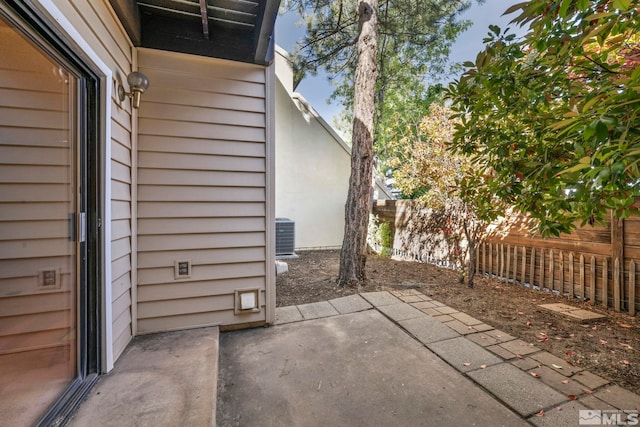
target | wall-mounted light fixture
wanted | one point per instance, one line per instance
(138, 83)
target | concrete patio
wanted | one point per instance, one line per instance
(374, 359)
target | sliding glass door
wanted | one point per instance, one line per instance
(43, 226)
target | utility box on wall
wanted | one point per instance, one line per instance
(285, 237)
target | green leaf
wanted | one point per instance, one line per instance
(564, 6)
(622, 4)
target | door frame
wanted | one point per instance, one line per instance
(47, 27)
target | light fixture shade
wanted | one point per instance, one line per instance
(137, 81)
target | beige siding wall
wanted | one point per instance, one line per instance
(97, 24)
(201, 190)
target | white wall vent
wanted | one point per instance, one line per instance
(285, 237)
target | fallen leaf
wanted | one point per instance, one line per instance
(565, 381)
(541, 413)
(624, 325)
(521, 312)
(467, 364)
(529, 324)
(519, 356)
(572, 397)
(587, 391)
(556, 366)
(535, 374)
(627, 346)
(595, 328)
(603, 342)
(569, 353)
(483, 366)
(626, 362)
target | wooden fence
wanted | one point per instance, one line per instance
(598, 264)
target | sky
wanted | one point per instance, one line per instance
(317, 89)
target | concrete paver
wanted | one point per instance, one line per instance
(288, 314)
(583, 315)
(519, 347)
(558, 381)
(524, 393)
(589, 380)
(460, 327)
(316, 310)
(526, 363)
(501, 351)
(556, 363)
(566, 415)
(427, 329)
(491, 337)
(463, 355)
(350, 304)
(619, 398)
(378, 299)
(348, 370)
(466, 319)
(424, 304)
(571, 312)
(400, 312)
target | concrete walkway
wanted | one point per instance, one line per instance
(374, 359)
(402, 359)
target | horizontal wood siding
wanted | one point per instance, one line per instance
(201, 190)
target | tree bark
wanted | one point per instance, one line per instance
(358, 206)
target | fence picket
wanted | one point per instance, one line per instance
(632, 288)
(593, 280)
(541, 268)
(490, 259)
(551, 267)
(582, 274)
(571, 283)
(524, 265)
(532, 268)
(561, 284)
(616, 285)
(508, 266)
(605, 283)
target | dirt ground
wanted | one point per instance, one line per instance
(609, 348)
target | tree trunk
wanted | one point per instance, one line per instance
(354, 246)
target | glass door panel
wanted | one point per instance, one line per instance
(39, 199)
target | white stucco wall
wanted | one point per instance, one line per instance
(312, 175)
(312, 168)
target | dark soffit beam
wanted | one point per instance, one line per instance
(129, 15)
(265, 27)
